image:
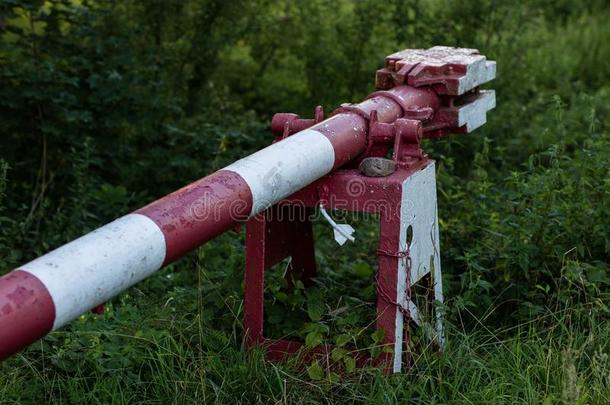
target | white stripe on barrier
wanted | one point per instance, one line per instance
(99, 265)
(285, 167)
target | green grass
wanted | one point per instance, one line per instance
(177, 338)
(560, 357)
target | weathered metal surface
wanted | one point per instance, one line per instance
(473, 113)
(419, 237)
(425, 94)
(404, 199)
(419, 211)
(343, 189)
(26, 311)
(449, 71)
(285, 167)
(96, 267)
(454, 74)
(198, 212)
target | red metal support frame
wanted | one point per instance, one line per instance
(284, 230)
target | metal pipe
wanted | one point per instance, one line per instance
(50, 291)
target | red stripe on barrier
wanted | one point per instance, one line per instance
(347, 133)
(27, 311)
(198, 212)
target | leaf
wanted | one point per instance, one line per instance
(486, 285)
(315, 306)
(378, 335)
(334, 378)
(315, 371)
(275, 315)
(597, 275)
(338, 354)
(316, 327)
(313, 339)
(363, 270)
(342, 340)
(281, 296)
(350, 363)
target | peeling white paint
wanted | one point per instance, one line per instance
(479, 70)
(285, 167)
(99, 265)
(474, 114)
(419, 211)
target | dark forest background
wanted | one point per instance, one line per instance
(106, 105)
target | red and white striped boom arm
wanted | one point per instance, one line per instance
(52, 290)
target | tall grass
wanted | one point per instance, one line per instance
(531, 362)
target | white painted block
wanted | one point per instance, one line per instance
(474, 114)
(418, 211)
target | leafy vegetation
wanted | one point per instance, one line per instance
(106, 105)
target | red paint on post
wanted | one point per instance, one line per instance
(347, 133)
(347, 129)
(198, 212)
(278, 233)
(27, 311)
